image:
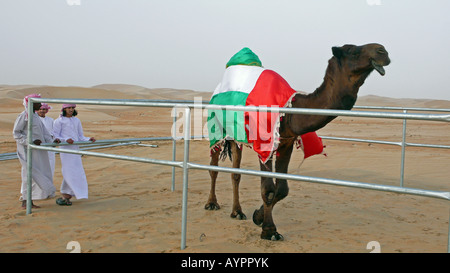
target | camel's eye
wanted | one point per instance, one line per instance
(354, 54)
(381, 51)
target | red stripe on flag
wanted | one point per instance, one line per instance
(270, 90)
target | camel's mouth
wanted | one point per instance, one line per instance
(378, 68)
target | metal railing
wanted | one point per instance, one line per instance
(403, 144)
(186, 165)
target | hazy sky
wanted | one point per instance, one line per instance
(185, 44)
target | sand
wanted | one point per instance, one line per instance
(132, 208)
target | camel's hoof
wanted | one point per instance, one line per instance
(238, 215)
(277, 237)
(257, 220)
(212, 206)
(274, 237)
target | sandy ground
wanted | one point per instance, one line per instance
(133, 209)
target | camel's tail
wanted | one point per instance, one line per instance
(226, 151)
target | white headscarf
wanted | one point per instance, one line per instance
(25, 101)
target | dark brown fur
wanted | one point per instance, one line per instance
(346, 72)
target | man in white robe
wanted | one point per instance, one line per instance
(48, 123)
(67, 128)
(42, 178)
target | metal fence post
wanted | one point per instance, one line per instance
(187, 138)
(402, 167)
(174, 147)
(448, 243)
(29, 155)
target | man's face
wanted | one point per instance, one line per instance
(69, 111)
(42, 112)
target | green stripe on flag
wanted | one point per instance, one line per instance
(222, 123)
(245, 57)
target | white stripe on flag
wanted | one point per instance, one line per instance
(239, 78)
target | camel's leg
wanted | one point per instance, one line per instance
(212, 204)
(281, 166)
(272, 193)
(236, 178)
(269, 230)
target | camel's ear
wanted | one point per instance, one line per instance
(337, 52)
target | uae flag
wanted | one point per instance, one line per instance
(247, 83)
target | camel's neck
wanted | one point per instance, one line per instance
(338, 91)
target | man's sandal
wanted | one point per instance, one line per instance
(63, 202)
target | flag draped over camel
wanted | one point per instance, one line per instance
(247, 83)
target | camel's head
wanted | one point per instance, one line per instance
(362, 59)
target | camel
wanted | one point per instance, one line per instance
(347, 70)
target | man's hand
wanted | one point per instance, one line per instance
(70, 141)
(37, 142)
